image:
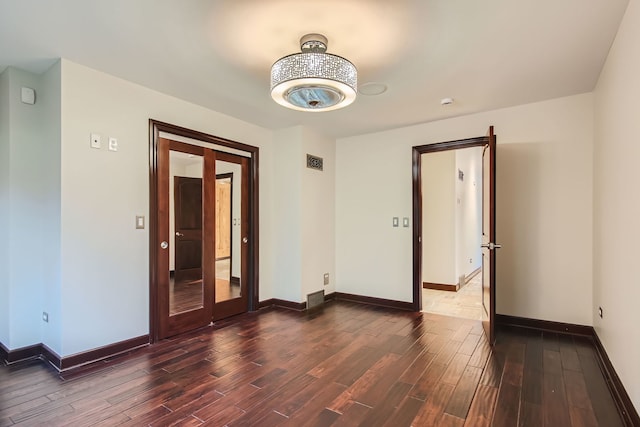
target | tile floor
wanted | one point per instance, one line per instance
(466, 303)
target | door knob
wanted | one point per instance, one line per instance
(164, 245)
(491, 246)
(179, 234)
(245, 240)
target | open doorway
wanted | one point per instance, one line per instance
(452, 217)
(488, 244)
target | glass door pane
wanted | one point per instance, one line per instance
(186, 290)
(228, 231)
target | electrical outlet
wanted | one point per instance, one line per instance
(95, 140)
(45, 316)
(600, 312)
(326, 279)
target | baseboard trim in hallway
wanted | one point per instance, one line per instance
(440, 286)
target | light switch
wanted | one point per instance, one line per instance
(395, 221)
(113, 144)
(405, 221)
(140, 221)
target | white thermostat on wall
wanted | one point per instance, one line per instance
(28, 95)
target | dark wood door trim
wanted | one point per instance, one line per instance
(417, 153)
(155, 128)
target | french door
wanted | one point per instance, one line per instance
(201, 236)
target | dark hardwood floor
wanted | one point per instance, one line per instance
(188, 295)
(343, 365)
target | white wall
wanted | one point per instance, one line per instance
(30, 182)
(438, 218)
(318, 214)
(105, 260)
(544, 202)
(5, 195)
(617, 203)
(287, 244)
(49, 98)
(468, 210)
(304, 208)
(26, 252)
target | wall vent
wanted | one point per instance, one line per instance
(315, 299)
(314, 162)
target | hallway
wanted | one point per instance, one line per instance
(466, 303)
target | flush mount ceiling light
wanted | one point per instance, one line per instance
(313, 80)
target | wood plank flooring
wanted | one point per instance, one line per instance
(342, 365)
(466, 302)
(187, 295)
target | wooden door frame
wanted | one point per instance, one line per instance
(155, 127)
(417, 153)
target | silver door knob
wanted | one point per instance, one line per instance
(491, 246)
(245, 240)
(179, 234)
(164, 245)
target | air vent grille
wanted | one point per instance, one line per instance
(314, 162)
(315, 299)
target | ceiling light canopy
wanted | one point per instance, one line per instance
(313, 80)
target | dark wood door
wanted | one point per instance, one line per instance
(231, 294)
(184, 282)
(489, 245)
(190, 292)
(176, 309)
(188, 228)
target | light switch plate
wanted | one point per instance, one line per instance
(140, 222)
(113, 144)
(396, 221)
(405, 221)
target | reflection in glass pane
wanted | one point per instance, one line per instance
(185, 232)
(228, 229)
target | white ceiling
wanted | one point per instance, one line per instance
(485, 54)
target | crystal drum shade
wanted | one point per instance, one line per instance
(313, 81)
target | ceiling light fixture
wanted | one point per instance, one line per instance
(313, 80)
